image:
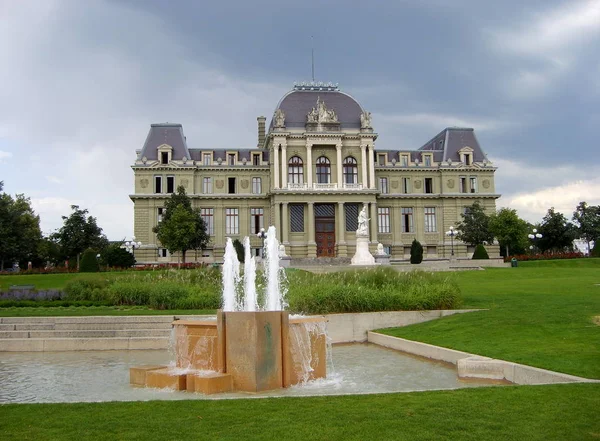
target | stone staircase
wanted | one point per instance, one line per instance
(98, 333)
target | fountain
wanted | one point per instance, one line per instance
(253, 345)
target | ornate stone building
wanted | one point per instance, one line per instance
(314, 168)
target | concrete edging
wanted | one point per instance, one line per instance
(476, 366)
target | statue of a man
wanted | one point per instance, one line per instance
(363, 222)
(365, 120)
(279, 118)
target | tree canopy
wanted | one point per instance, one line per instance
(474, 227)
(20, 232)
(557, 233)
(510, 230)
(182, 227)
(587, 218)
(78, 233)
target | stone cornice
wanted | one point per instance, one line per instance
(431, 169)
(201, 196)
(367, 191)
(193, 168)
(438, 195)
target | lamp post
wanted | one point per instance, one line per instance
(131, 245)
(533, 236)
(451, 233)
(262, 234)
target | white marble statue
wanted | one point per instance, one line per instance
(282, 251)
(321, 114)
(365, 120)
(363, 222)
(279, 118)
(380, 250)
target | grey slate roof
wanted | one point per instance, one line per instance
(451, 140)
(296, 104)
(166, 133)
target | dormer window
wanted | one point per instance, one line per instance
(404, 160)
(468, 159)
(427, 160)
(164, 157)
(206, 158)
(231, 158)
(165, 154)
(256, 159)
(466, 155)
(381, 160)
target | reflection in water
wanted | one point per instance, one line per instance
(49, 377)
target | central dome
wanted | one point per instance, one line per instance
(297, 104)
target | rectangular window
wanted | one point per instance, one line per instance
(405, 185)
(428, 185)
(159, 218)
(163, 252)
(351, 215)
(256, 186)
(170, 184)
(232, 221)
(383, 219)
(206, 158)
(383, 185)
(256, 220)
(231, 158)
(473, 184)
(381, 160)
(207, 185)
(462, 184)
(164, 157)
(427, 160)
(255, 159)
(296, 218)
(430, 221)
(407, 220)
(231, 185)
(468, 159)
(404, 160)
(157, 184)
(208, 216)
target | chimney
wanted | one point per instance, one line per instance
(261, 131)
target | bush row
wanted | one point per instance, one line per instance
(546, 256)
(381, 289)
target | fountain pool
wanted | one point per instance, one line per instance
(53, 377)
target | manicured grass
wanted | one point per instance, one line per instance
(54, 281)
(540, 314)
(558, 412)
(97, 310)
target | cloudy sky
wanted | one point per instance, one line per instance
(82, 80)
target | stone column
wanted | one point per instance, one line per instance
(371, 155)
(312, 245)
(309, 165)
(340, 178)
(373, 222)
(284, 179)
(342, 248)
(275, 167)
(285, 223)
(277, 217)
(363, 163)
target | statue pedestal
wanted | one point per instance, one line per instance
(362, 255)
(382, 259)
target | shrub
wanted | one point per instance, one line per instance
(116, 257)
(596, 250)
(546, 256)
(480, 252)
(87, 289)
(239, 250)
(89, 262)
(416, 252)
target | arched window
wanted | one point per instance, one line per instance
(350, 170)
(323, 170)
(295, 170)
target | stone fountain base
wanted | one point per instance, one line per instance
(242, 351)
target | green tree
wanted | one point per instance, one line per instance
(20, 231)
(587, 218)
(510, 230)
(115, 256)
(182, 227)
(474, 228)
(416, 252)
(78, 233)
(239, 250)
(557, 233)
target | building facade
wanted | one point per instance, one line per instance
(315, 166)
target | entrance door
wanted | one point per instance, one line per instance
(325, 230)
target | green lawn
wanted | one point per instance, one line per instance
(557, 412)
(540, 314)
(52, 281)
